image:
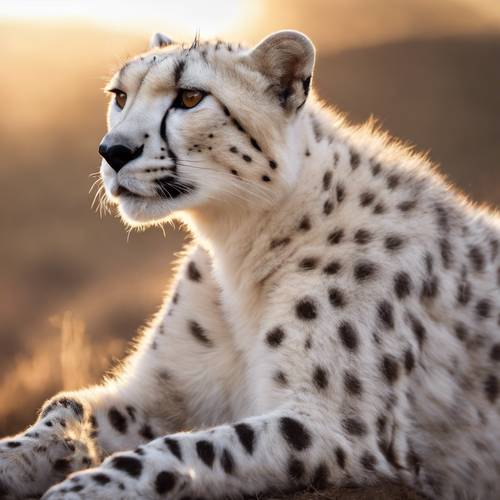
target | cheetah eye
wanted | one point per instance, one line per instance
(190, 98)
(120, 97)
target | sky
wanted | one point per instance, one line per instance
(211, 17)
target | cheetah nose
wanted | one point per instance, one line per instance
(119, 155)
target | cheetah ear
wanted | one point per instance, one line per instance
(159, 40)
(287, 59)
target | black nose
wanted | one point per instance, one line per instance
(118, 156)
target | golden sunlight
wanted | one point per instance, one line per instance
(176, 18)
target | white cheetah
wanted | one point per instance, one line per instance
(337, 321)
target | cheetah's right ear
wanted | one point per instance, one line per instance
(287, 59)
(159, 40)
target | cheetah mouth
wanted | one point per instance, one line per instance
(123, 191)
(170, 187)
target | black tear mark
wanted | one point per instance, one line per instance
(255, 144)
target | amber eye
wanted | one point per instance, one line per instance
(190, 98)
(120, 98)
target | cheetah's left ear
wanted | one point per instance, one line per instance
(159, 40)
(287, 59)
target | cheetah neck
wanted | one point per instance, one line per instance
(240, 239)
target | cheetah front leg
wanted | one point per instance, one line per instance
(170, 382)
(282, 450)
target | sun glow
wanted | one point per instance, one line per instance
(177, 18)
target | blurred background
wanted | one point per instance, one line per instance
(74, 287)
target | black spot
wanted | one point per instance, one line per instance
(477, 259)
(296, 469)
(279, 242)
(308, 343)
(227, 461)
(375, 169)
(354, 159)
(178, 70)
(13, 444)
(255, 144)
(280, 378)
(352, 384)
(442, 218)
(305, 224)
(192, 272)
(483, 308)
(327, 180)
(305, 309)
(332, 268)
(275, 337)
(100, 478)
(364, 270)
(386, 314)
(418, 329)
(146, 432)
(273, 164)
(392, 181)
(199, 333)
(308, 263)
(402, 284)
(390, 369)
(409, 360)
(340, 192)
(446, 253)
(295, 433)
(234, 172)
(429, 288)
(379, 208)
(348, 335)
(226, 111)
(173, 446)
(233, 149)
(335, 237)
(366, 198)
(164, 482)
(266, 178)
(328, 207)
(247, 158)
(354, 426)
(320, 378)
(320, 477)
(336, 297)
(246, 435)
(368, 461)
(340, 456)
(491, 388)
(406, 206)
(461, 332)
(495, 352)
(131, 465)
(117, 420)
(393, 242)
(131, 412)
(362, 236)
(464, 293)
(205, 451)
(77, 488)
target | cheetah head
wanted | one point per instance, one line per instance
(208, 125)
